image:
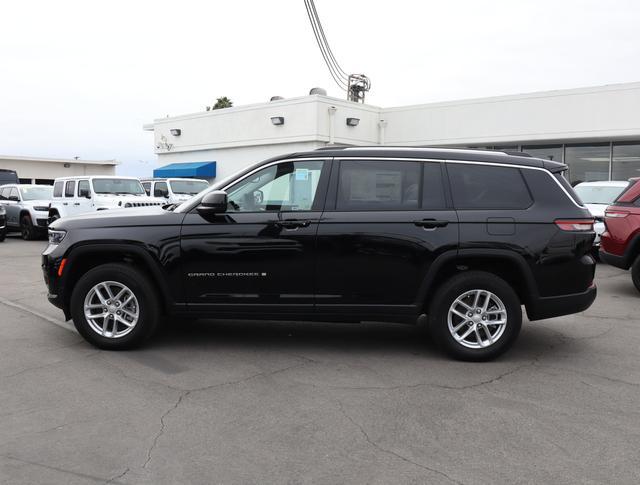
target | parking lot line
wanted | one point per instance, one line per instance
(38, 314)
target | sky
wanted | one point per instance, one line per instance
(80, 78)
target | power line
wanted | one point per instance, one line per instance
(326, 43)
(336, 72)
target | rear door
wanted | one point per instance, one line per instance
(384, 224)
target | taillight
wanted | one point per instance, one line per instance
(575, 224)
(616, 213)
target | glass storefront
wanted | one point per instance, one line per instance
(587, 162)
(550, 152)
(626, 161)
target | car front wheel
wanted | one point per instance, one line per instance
(114, 307)
(475, 316)
(27, 230)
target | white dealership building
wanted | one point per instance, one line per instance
(595, 130)
(39, 170)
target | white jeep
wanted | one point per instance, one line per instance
(174, 190)
(79, 195)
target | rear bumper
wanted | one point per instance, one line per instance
(623, 262)
(556, 306)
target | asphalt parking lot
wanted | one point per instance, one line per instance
(245, 402)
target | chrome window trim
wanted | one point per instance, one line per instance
(416, 159)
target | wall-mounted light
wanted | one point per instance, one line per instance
(277, 120)
(175, 131)
(353, 121)
(68, 165)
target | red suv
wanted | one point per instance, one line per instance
(620, 245)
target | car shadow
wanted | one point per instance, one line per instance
(341, 338)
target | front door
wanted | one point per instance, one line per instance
(258, 257)
(385, 223)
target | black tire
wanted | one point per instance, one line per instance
(458, 285)
(635, 273)
(140, 286)
(27, 230)
(3, 234)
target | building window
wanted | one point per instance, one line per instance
(626, 161)
(588, 163)
(549, 152)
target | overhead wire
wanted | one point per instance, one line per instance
(336, 72)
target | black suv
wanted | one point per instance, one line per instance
(343, 234)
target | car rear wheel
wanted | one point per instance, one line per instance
(114, 307)
(475, 316)
(635, 273)
(27, 230)
(3, 234)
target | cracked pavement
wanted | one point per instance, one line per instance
(246, 402)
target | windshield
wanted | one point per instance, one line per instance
(117, 186)
(189, 187)
(597, 194)
(36, 193)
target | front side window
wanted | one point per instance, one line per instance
(13, 194)
(4, 193)
(160, 189)
(378, 185)
(70, 188)
(83, 188)
(488, 187)
(36, 193)
(117, 186)
(287, 186)
(57, 189)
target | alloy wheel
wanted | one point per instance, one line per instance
(111, 309)
(477, 319)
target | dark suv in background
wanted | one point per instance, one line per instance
(354, 234)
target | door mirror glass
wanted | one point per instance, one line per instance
(215, 202)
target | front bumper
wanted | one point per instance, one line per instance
(556, 306)
(55, 284)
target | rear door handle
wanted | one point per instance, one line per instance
(430, 223)
(293, 223)
(76, 203)
(65, 203)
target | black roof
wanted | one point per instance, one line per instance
(513, 158)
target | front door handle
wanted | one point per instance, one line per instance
(76, 203)
(293, 223)
(430, 223)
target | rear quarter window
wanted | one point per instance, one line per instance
(488, 187)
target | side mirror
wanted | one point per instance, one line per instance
(84, 193)
(14, 198)
(214, 202)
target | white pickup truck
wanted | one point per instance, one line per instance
(79, 195)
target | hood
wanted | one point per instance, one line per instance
(597, 210)
(37, 203)
(138, 217)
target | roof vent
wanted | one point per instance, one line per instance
(276, 98)
(320, 91)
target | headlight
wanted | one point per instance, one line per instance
(40, 208)
(56, 237)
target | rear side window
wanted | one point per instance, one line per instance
(4, 193)
(488, 187)
(147, 187)
(57, 189)
(70, 188)
(378, 185)
(560, 177)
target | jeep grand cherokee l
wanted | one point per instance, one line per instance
(349, 235)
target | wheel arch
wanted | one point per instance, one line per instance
(86, 257)
(508, 265)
